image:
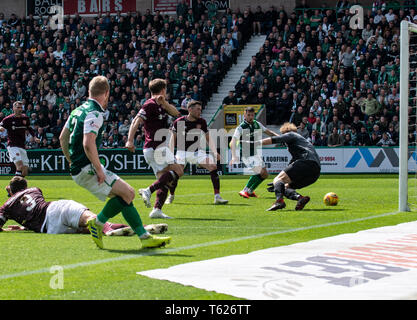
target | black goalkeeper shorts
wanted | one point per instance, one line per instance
(302, 173)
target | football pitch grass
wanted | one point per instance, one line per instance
(200, 231)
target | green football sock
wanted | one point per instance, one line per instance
(250, 182)
(111, 209)
(257, 181)
(132, 217)
(254, 182)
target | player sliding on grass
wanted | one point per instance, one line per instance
(80, 139)
(247, 132)
(154, 117)
(183, 130)
(302, 171)
(27, 206)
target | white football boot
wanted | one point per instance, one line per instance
(219, 200)
(158, 214)
(146, 196)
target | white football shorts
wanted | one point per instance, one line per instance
(18, 154)
(197, 157)
(63, 216)
(87, 179)
(158, 158)
(253, 164)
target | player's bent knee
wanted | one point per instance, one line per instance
(19, 165)
(178, 170)
(131, 194)
(124, 191)
(276, 179)
(209, 167)
(282, 177)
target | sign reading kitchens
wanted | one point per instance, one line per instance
(120, 161)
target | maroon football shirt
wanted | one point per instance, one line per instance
(182, 126)
(16, 130)
(27, 207)
(155, 118)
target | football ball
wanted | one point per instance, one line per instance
(331, 199)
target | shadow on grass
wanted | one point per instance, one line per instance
(317, 210)
(212, 204)
(149, 252)
(205, 219)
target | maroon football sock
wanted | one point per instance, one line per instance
(116, 226)
(172, 186)
(107, 227)
(161, 196)
(215, 180)
(163, 181)
(112, 226)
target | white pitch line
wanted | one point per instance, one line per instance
(176, 196)
(194, 246)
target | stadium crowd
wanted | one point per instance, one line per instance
(340, 86)
(49, 70)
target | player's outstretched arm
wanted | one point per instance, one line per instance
(130, 145)
(274, 140)
(266, 141)
(64, 142)
(271, 133)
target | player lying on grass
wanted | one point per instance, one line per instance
(27, 206)
(186, 133)
(302, 171)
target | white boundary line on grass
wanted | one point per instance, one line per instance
(138, 199)
(195, 246)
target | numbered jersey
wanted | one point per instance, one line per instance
(85, 119)
(27, 207)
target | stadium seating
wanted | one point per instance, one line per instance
(312, 68)
(50, 71)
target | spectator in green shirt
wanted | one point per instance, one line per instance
(315, 19)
